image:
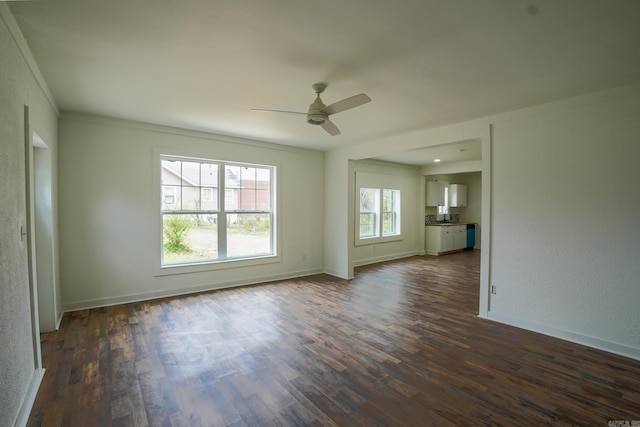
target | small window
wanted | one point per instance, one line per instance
(378, 213)
(444, 209)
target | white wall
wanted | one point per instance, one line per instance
(20, 85)
(407, 179)
(565, 240)
(559, 212)
(109, 218)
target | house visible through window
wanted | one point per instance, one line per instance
(215, 211)
(378, 213)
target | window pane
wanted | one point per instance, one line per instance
(209, 175)
(231, 199)
(209, 199)
(368, 199)
(248, 188)
(189, 238)
(263, 189)
(170, 173)
(367, 225)
(170, 197)
(390, 212)
(369, 212)
(248, 177)
(388, 223)
(232, 176)
(248, 235)
(251, 187)
(190, 174)
(191, 198)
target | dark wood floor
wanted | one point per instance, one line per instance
(401, 344)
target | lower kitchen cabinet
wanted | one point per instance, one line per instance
(441, 239)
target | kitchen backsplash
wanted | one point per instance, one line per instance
(431, 219)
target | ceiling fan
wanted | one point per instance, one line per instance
(319, 113)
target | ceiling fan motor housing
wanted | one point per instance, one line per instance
(316, 116)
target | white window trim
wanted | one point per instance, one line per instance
(210, 265)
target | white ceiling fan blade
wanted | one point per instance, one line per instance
(346, 104)
(330, 128)
(263, 110)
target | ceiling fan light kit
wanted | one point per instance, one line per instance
(317, 118)
(318, 113)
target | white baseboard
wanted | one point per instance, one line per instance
(145, 296)
(29, 398)
(597, 343)
(59, 319)
(385, 258)
(334, 273)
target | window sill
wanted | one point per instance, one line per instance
(377, 240)
(197, 267)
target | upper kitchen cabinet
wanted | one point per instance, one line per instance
(435, 193)
(457, 196)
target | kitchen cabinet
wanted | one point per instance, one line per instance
(457, 196)
(459, 237)
(435, 193)
(441, 239)
(433, 240)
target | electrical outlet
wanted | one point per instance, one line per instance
(494, 289)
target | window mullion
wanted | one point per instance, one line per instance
(222, 216)
(272, 208)
(380, 212)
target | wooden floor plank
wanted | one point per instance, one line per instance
(401, 344)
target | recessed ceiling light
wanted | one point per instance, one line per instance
(436, 160)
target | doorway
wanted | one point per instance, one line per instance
(42, 250)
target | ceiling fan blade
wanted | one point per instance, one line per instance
(262, 110)
(330, 128)
(346, 104)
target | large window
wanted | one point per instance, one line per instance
(215, 211)
(378, 213)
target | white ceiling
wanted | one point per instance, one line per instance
(203, 64)
(462, 151)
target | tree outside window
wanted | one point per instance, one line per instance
(369, 212)
(390, 209)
